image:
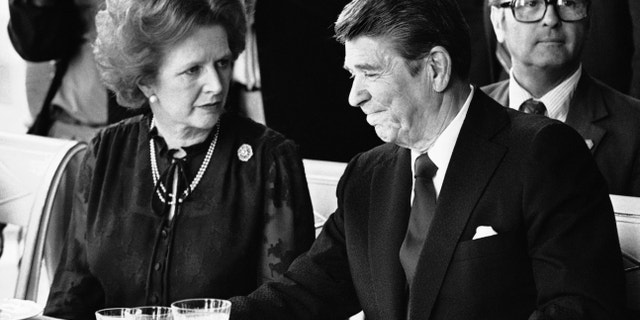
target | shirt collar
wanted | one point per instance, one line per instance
(442, 149)
(556, 100)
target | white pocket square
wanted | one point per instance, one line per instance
(483, 232)
(589, 143)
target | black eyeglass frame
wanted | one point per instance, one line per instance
(554, 3)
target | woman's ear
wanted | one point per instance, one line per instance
(439, 68)
(146, 90)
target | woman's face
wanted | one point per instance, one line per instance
(193, 81)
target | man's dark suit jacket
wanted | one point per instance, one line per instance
(611, 120)
(528, 177)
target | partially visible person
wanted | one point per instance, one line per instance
(507, 217)
(545, 42)
(612, 50)
(186, 200)
(54, 37)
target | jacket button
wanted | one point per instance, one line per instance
(164, 233)
(157, 266)
(154, 299)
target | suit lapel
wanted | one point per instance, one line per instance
(587, 106)
(389, 212)
(472, 164)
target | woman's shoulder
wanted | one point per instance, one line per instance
(250, 132)
(122, 132)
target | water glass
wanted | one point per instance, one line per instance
(112, 313)
(149, 313)
(204, 309)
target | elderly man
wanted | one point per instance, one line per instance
(545, 40)
(508, 216)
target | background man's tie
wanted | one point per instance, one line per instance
(422, 212)
(533, 106)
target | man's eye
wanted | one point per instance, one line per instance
(223, 63)
(371, 74)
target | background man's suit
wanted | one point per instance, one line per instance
(610, 120)
(528, 177)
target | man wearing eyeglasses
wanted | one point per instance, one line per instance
(545, 39)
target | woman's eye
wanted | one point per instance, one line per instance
(193, 70)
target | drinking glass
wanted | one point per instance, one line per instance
(149, 313)
(111, 313)
(203, 309)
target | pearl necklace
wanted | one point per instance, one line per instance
(155, 174)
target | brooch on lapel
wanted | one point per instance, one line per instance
(245, 152)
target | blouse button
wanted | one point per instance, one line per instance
(157, 266)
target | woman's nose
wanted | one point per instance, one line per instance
(213, 81)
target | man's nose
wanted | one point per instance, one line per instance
(358, 94)
(552, 16)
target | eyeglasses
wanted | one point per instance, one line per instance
(534, 10)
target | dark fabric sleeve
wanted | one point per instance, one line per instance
(571, 231)
(318, 285)
(47, 32)
(288, 228)
(634, 189)
(634, 9)
(75, 294)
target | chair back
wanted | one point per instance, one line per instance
(322, 178)
(627, 211)
(31, 168)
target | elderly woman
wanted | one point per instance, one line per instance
(186, 200)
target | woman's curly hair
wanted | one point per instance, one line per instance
(132, 36)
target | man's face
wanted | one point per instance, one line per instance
(396, 102)
(547, 44)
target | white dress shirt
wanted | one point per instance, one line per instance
(556, 101)
(441, 150)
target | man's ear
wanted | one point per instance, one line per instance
(439, 68)
(497, 20)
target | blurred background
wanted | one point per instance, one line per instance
(14, 117)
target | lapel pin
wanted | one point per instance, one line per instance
(245, 152)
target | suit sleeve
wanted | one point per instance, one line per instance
(318, 285)
(634, 10)
(571, 232)
(42, 33)
(75, 293)
(289, 225)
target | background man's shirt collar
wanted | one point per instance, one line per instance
(556, 101)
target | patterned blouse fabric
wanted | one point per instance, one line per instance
(242, 225)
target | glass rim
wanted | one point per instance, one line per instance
(117, 311)
(224, 303)
(112, 308)
(165, 308)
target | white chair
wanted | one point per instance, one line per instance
(322, 178)
(627, 211)
(31, 169)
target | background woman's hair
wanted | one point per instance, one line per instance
(132, 36)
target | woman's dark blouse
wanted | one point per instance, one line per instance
(243, 224)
